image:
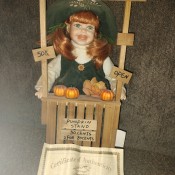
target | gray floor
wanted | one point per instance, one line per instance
(21, 147)
(147, 115)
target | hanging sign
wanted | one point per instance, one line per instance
(120, 75)
(43, 53)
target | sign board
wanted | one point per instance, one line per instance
(71, 159)
(78, 135)
(79, 124)
(120, 75)
(79, 130)
(43, 53)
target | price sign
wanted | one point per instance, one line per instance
(44, 53)
(79, 130)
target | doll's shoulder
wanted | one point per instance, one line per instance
(107, 66)
(55, 62)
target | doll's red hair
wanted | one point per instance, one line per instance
(99, 49)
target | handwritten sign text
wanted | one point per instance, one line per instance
(120, 75)
(78, 135)
(79, 124)
(44, 53)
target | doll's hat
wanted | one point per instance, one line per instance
(60, 10)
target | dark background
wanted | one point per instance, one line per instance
(148, 114)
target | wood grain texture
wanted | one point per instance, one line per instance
(51, 123)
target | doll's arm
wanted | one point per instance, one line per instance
(54, 68)
(107, 67)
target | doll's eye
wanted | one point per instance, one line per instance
(90, 28)
(77, 26)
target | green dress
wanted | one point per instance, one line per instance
(74, 74)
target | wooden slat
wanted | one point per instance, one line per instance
(71, 110)
(98, 117)
(60, 117)
(89, 116)
(71, 114)
(108, 123)
(51, 123)
(80, 115)
(115, 125)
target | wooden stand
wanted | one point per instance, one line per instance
(72, 120)
(69, 121)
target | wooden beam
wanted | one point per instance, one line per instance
(42, 4)
(43, 44)
(123, 47)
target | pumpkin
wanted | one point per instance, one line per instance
(71, 92)
(107, 95)
(59, 90)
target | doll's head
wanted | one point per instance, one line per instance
(91, 15)
(86, 17)
(81, 27)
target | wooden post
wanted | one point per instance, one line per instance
(43, 44)
(123, 47)
(44, 61)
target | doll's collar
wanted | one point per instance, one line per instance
(78, 46)
(81, 53)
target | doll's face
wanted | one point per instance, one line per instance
(82, 34)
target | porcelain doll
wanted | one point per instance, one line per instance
(82, 40)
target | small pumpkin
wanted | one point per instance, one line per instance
(72, 92)
(107, 95)
(59, 90)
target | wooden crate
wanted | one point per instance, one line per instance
(60, 109)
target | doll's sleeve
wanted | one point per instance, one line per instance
(54, 68)
(107, 67)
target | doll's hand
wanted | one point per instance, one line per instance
(39, 93)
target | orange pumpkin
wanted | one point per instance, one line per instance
(107, 95)
(71, 92)
(59, 90)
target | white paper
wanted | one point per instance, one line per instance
(120, 138)
(71, 159)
